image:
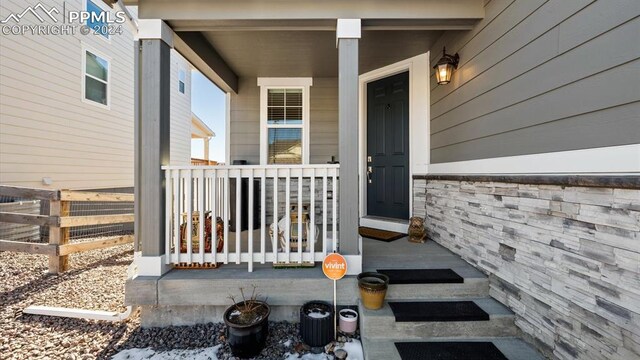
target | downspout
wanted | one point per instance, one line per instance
(78, 313)
(83, 313)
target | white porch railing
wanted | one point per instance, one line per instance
(272, 190)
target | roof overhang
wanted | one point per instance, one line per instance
(308, 9)
(200, 130)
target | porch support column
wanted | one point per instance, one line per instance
(348, 33)
(152, 144)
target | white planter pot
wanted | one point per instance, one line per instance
(348, 320)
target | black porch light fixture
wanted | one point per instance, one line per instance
(445, 66)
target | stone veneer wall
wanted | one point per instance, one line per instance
(566, 260)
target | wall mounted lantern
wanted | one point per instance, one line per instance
(445, 66)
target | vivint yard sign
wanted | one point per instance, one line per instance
(40, 19)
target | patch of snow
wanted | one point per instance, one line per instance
(309, 357)
(209, 353)
(287, 343)
(318, 315)
(235, 313)
(353, 349)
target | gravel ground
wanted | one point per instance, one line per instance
(96, 281)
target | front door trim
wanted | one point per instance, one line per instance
(419, 105)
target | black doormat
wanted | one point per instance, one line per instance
(422, 276)
(438, 311)
(453, 350)
(377, 234)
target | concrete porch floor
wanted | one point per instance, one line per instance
(183, 297)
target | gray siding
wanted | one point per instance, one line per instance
(245, 121)
(46, 129)
(244, 129)
(539, 76)
(180, 148)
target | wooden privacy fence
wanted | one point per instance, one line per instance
(59, 222)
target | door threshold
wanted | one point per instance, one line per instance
(388, 224)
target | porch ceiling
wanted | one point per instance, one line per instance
(278, 53)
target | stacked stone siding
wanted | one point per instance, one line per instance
(566, 260)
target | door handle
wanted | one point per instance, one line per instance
(369, 172)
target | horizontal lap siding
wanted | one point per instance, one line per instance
(244, 128)
(46, 130)
(323, 142)
(540, 76)
(323, 129)
(180, 147)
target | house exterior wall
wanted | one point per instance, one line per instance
(539, 76)
(565, 259)
(180, 147)
(46, 128)
(323, 124)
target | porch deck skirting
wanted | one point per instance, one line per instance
(562, 252)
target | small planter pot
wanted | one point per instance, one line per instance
(247, 339)
(373, 289)
(316, 323)
(348, 320)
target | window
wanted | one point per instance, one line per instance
(96, 78)
(98, 20)
(284, 120)
(181, 79)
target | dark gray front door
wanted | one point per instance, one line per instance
(388, 147)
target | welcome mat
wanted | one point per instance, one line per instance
(433, 311)
(422, 276)
(377, 234)
(451, 350)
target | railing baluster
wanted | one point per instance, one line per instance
(287, 230)
(168, 206)
(263, 215)
(201, 216)
(250, 229)
(238, 215)
(213, 194)
(176, 216)
(226, 193)
(324, 212)
(311, 241)
(334, 220)
(300, 222)
(189, 211)
(275, 240)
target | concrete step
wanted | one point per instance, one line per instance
(476, 285)
(379, 324)
(512, 348)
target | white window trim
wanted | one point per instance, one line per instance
(83, 73)
(103, 6)
(284, 83)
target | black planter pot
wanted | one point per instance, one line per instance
(247, 340)
(316, 330)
